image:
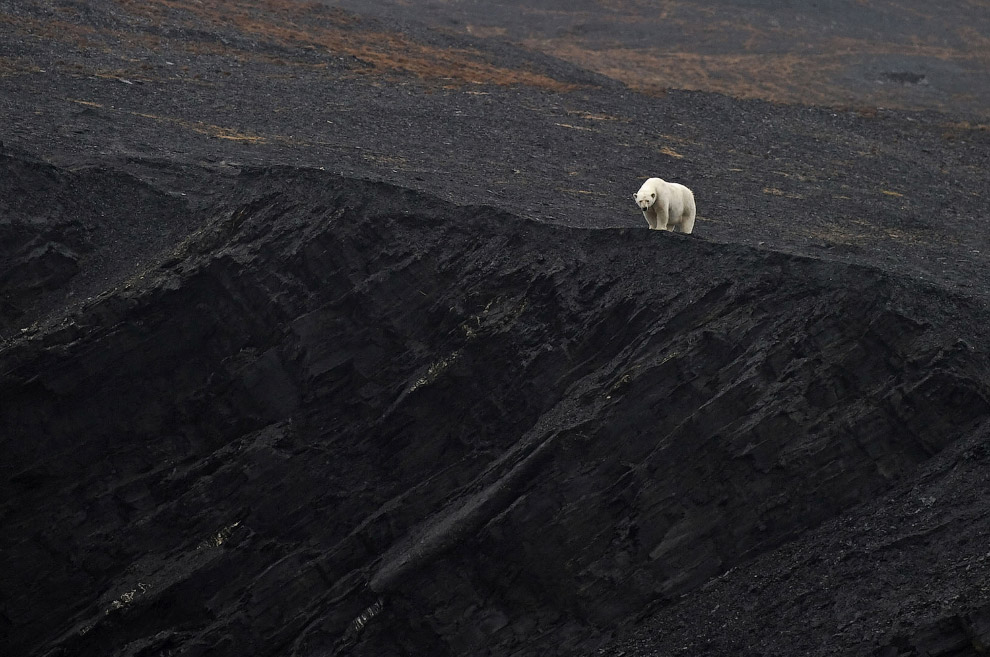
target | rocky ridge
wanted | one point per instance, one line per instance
(337, 394)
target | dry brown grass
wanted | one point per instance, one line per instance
(10, 66)
(208, 129)
(570, 126)
(781, 77)
(774, 191)
(50, 29)
(298, 27)
(959, 129)
(816, 73)
(592, 116)
(312, 25)
(858, 232)
(77, 37)
(199, 127)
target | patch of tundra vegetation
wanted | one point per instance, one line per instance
(499, 314)
(434, 370)
(219, 538)
(127, 598)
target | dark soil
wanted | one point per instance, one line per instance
(330, 334)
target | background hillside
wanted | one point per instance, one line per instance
(850, 53)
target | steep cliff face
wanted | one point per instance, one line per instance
(344, 417)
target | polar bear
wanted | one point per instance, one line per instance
(666, 205)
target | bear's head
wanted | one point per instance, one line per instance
(645, 198)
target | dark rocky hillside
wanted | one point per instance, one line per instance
(326, 334)
(846, 53)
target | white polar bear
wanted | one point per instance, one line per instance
(666, 206)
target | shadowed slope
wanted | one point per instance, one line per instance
(339, 396)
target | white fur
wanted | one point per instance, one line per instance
(666, 206)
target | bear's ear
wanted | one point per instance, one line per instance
(634, 196)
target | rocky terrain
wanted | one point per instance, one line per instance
(334, 330)
(850, 53)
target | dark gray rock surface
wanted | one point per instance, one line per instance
(322, 335)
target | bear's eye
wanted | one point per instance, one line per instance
(653, 195)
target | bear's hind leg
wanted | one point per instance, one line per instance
(687, 220)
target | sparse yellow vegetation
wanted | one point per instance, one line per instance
(594, 117)
(587, 192)
(127, 598)
(435, 370)
(773, 191)
(218, 539)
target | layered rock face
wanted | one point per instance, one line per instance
(341, 417)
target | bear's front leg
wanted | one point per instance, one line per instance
(651, 218)
(663, 217)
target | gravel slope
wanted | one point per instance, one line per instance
(332, 334)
